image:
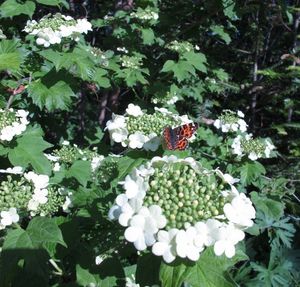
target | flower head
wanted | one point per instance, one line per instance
(12, 123)
(179, 208)
(253, 148)
(50, 30)
(140, 130)
(230, 121)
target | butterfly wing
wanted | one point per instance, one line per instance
(186, 130)
(176, 139)
(182, 144)
(169, 138)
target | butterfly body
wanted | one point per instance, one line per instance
(177, 138)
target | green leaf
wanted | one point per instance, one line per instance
(29, 150)
(100, 79)
(148, 36)
(30, 246)
(251, 171)
(219, 30)
(229, 6)
(78, 62)
(52, 91)
(50, 2)
(10, 56)
(86, 278)
(208, 271)
(12, 8)
(198, 60)
(81, 170)
(271, 208)
(168, 66)
(182, 70)
(18, 245)
(43, 230)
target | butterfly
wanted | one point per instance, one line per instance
(177, 138)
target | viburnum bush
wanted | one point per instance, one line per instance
(149, 143)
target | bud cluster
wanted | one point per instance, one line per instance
(12, 123)
(68, 154)
(52, 29)
(100, 55)
(106, 172)
(186, 196)
(140, 130)
(179, 208)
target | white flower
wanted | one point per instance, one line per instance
(206, 232)
(240, 114)
(243, 125)
(99, 259)
(240, 211)
(67, 204)
(66, 31)
(153, 142)
(144, 225)
(134, 185)
(33, 205)
(83, 26)
(236, 145)
(40, 196)
(137, 140)
(96, 161)
(253, 155)
(14, 170)
(40, 181)
(7, 133)
(134, 110)
(269, 148)
(217, 123)
(56, 167)
(185, 244)
(65, 142)
(9, 217)
(228, 236)
(225, 128)
(173, 100)
(165, 245)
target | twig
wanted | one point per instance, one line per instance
(58, 270)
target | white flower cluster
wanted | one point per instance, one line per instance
(8, 217)
(51, 30)
(122, 50)
(148, 225)
(253, 148)
(131, 62)
(147, 14)
(231, 121)
(182, 46)
(40, 192)
(137, 138)
(12, 123)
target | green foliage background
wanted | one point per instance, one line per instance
(248, 59)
